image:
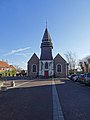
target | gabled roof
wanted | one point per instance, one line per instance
(59, 56)
(4, 64)
(34, 56)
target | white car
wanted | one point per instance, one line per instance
(75, 78)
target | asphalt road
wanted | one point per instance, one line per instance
(32, 100)
(75, 100)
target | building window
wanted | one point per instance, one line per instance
(59, 68)
(34, 68)
(46, 65)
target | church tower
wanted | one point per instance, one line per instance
(46, 58)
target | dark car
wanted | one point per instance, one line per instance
(81, 78)
(87, 78)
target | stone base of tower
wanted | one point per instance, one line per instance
(46, 68)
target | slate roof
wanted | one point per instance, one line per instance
(59, 56)
(46, 46)
(46, 41)
(34, 56)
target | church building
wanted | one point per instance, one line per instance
(46, 66)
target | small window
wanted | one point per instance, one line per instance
(46, 65)
(58, 68)
(34, 68)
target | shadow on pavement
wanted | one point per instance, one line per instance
(26, 103)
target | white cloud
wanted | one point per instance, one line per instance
(17, 51)
(19, 54)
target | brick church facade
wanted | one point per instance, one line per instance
(46, 66)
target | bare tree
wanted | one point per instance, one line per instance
(71, 59)
(81, 65)
(86, 66)
(18, 68)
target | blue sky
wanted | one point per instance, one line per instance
(23, 22)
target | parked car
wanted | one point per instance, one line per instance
(81, 78)
(87, 78)
(69, 76)
(73, 77)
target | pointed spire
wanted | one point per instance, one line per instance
(46, 41)
(46, 36)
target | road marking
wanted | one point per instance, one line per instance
(18, 85)
(57, 111)
(21, 84)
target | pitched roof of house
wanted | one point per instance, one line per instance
(4, 64)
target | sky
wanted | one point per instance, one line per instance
(23, 22)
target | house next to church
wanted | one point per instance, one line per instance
(46, 66)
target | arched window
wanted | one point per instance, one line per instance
(34, 68)
(59, 68)
(46, 65)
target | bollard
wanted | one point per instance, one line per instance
(12, 83)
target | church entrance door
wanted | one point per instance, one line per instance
(46, 74)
